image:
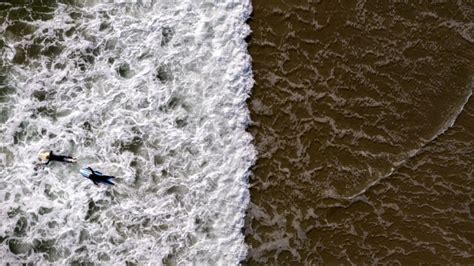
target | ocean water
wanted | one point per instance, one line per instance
(362, 113)
(150, 92)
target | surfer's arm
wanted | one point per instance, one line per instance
(92, 171)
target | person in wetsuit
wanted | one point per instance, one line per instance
(99, 178)
(50, 156)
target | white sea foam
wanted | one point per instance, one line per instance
(151, 93)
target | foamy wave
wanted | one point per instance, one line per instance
(152, 93)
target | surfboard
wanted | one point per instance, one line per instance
(85, 172)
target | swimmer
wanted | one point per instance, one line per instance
(49, 156)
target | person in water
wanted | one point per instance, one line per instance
(47, 157)
(98, 177)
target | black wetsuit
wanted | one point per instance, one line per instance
(59, 158)
(100, 178)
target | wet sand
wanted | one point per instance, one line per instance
(363, 121)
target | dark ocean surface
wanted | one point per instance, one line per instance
(364, 125)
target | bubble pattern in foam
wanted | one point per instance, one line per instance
(151, 93)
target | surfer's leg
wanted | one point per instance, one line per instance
(61, 158)
(107, 180)
(70, 159)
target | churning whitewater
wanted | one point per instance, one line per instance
(152, 93)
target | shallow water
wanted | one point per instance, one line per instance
(151, 93)
(362, 117)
